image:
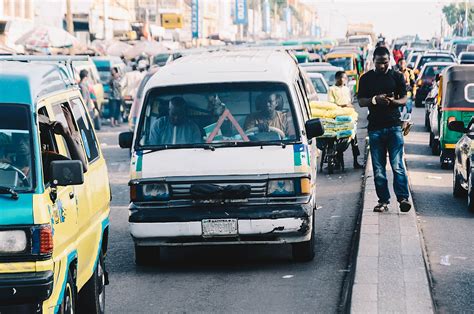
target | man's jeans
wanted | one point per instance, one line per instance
(382, 141)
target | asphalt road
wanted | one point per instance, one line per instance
(233, 278)
(447, 226)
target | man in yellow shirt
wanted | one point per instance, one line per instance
(340, 95)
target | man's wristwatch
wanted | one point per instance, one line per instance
(374, 102)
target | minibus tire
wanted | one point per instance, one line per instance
(305, 251)
(97, 123)
(68, 305)
(470, 193)
(147, 255)
(458, 190)
(92, 296)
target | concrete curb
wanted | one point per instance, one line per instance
(390, 274)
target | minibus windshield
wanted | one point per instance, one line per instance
(16, 166)
(213, 115)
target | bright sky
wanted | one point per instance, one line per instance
(389, 17)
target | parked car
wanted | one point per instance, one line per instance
(320, 85)
(425, 80)
(466, 57)
(54, 194)
(411, 59)
(192, 124)
(463, 173)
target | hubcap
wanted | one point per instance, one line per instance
(68, 299)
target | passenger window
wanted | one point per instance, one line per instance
(301, 101)
(49, 147)
(85, 129)
(58, 110)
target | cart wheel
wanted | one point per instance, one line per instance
(331, 165)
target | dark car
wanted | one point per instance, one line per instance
(466, 57)
(463, 174)
(425, 80)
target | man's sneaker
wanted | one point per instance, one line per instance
(381, 207)
(405, 205)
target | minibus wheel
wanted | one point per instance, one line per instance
(147, 255)
(68, 305)
(304, 251)
(470, 193)
(92, 295)
(458, 190)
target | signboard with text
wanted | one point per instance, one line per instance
(241, 12)
(195, 18)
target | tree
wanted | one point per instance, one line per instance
(455, 13)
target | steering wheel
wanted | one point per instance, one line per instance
(7, 167)
(270, 128)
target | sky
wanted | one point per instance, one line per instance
(391, 18)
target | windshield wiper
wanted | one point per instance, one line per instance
(8, 190)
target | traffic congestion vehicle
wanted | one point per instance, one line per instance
(454, 105)
(54, 194)
(431, 101)
(466, 57)
(432, 57)
(352, 64)
(425, 80)
(463, 171)
(104, 67)
(326, 69)
(320, 85)
(226, 174)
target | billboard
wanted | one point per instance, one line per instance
(171, 20)
(241, 12)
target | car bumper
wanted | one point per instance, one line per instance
(23, 288)
(275, 224)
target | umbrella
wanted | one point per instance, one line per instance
(117, 48)
(47, 37)
(150, 48)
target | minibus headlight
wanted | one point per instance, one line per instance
(149, 192)
(281, 188)
(12, 241)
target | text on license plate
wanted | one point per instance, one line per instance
(219, 227)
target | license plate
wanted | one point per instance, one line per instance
(219, 227)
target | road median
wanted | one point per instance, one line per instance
(390, 274)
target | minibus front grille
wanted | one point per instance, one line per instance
(182, 191)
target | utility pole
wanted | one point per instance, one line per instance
(105, 17)
(69, 23)
(465, 19)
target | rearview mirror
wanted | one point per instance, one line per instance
(66, 172)
(457, 126)
(125, 139)
(314, 128)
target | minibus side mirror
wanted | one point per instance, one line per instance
(314, 128)
(457, 126)
(125, 139)
(66, 172)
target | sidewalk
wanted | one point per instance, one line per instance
(390, 275)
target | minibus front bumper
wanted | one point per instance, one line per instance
(23, 288)
(251, 224)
